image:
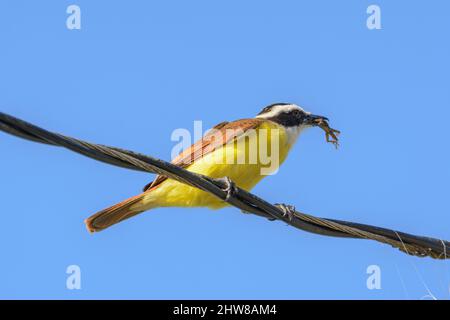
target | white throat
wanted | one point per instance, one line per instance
(292, 133)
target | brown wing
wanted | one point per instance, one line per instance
(217, 137)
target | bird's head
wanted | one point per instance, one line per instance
(294, 117)
(290, 115)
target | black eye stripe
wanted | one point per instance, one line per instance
(287, 119)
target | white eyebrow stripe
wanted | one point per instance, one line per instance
(276, 110)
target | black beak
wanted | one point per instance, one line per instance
(314, 120)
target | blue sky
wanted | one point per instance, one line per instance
(137, 70)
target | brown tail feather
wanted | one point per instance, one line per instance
(112, 215)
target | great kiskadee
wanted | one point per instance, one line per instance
(286, 119)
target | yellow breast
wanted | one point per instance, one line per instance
(250, 158)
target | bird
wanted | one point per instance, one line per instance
(274, 130)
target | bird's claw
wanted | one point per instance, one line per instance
(288, 210)
(230, 187)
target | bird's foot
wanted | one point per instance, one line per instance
(288, 210)
(230, 187)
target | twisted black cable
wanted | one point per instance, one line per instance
(247, 202)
